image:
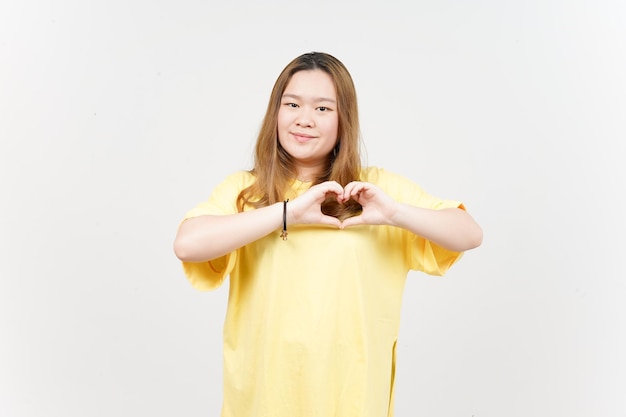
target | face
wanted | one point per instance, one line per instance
(308, 120)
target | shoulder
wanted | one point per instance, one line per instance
(237, 180)
(240, 176)
(384, 178)
(223, 197)
(230, 186)
(405, 190)
(397, 186)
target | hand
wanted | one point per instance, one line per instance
(307, 208)
(378, 207)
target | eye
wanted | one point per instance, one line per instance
(323, 109)
(292, 105)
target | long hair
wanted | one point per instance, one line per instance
(274, 168)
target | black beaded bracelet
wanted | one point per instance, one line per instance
(283, 234)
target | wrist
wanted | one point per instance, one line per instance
(394, 217)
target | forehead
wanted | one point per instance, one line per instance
(311, 83)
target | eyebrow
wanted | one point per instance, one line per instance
(315, 99)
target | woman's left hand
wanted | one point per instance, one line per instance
(378, 207)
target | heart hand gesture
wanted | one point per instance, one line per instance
(378, 207)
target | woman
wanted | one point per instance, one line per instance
(317, 249)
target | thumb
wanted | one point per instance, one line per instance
(331, 221)
(352, 221)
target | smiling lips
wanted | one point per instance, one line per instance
(302, 137)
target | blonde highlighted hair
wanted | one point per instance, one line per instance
(274, 168)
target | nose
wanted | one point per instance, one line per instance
(304, 119)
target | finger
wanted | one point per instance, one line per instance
(331, 221)
(331, 187)
(352, 189)
(337, 194)
(320, 191)
(352, 221)
(357, 192)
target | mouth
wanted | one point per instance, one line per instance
(302, 137)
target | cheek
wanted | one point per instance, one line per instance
(332, 127)
(281, 125)
(282, 120)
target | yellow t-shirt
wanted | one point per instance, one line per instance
(312, 322)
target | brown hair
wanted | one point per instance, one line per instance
(273, 166)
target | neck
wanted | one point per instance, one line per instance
(307, 174)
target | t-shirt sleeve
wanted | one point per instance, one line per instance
(209, 275)
(422, 254)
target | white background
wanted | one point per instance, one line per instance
(117, 117)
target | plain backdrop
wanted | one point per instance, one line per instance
(117, 117)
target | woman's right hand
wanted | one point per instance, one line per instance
(307, 208)
(208, 237)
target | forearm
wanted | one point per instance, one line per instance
(452, 228)
(205, 238)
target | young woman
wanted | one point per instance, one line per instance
(317, 249)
